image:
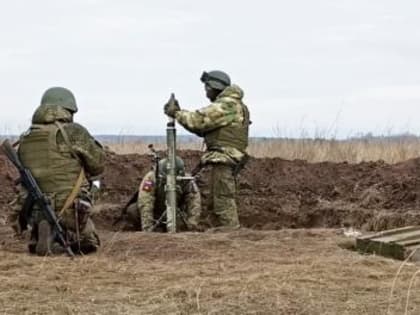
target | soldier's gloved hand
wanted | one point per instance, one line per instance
(171, 107)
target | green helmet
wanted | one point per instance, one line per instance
(61, 97)
(179, 165)
(217, 80)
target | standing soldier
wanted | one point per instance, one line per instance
(149, 210)
(62, 156)
(224, 126)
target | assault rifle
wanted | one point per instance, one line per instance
(36, 196)
(135, 195)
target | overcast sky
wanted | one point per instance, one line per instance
(316, 66)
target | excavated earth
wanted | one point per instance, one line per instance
(274, 193)
(287, 259)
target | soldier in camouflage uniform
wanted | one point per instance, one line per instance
(62, 156)
(224, 126)
(149, 211)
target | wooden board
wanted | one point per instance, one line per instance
(396, 243)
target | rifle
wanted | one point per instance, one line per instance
(134, 197)
(36, 195)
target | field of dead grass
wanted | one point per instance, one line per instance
(240, 272)
(390, 150)
(301, 271)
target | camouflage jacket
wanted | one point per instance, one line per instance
(87, 148)
(226, 110)
(151, 202)
(89, 152)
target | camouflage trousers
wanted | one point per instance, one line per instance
(87, 236)
(88, 239)
(220, 193)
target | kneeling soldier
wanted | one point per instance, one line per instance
(62, 156)
(149, 210)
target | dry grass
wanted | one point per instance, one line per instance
(242, 272)
(318, 150)
(142, 147)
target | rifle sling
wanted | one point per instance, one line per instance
(77, 186)
(74, 193)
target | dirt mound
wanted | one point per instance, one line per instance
(123, 174)
(275, 193)
(7, 187)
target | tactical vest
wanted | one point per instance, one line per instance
(53, 166)
(234, 135)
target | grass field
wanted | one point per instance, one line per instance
(287, 271)
(390, 150)
(244, 272)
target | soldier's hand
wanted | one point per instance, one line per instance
(171, 107)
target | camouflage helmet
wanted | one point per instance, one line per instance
(61, 97)
(179, 166)
(217, 80)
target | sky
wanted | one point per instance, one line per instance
(308, 68)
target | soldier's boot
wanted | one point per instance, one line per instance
(57, 249)
(45, 239)
(87, 245)
(89, 239)
(188, 224)
(133, 217)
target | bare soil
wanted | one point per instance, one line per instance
(276, 193)
(290, 257)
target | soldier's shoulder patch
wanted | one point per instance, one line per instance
(147, 185)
